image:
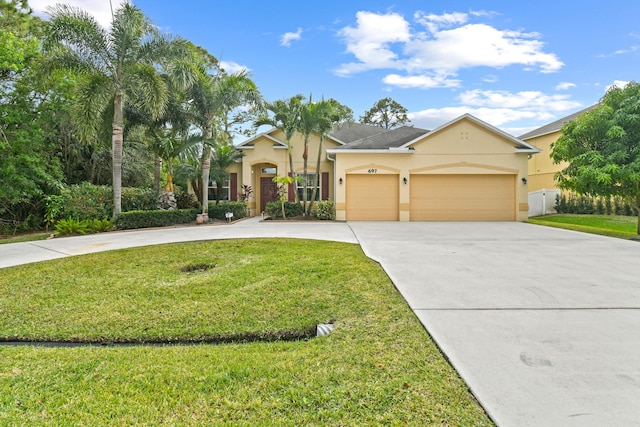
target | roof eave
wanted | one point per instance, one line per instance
(390, 150)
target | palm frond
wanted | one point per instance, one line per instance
(94, 96)
(146, 89)
(80, 32)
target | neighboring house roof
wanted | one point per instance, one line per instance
(386, 139)
(554, 126)
(349, 132)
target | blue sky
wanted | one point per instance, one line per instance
(514, 65)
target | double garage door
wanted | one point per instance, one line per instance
(432, 197)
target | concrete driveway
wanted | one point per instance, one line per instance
(543, 324)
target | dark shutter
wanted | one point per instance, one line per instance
(325, 186)
(291, 191)
(233, 187)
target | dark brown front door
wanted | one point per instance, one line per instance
(268, 192)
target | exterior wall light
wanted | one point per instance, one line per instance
(405, 180)
(340, 181)
(524, 181)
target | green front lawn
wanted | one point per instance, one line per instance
(609, 225)
(379, 366)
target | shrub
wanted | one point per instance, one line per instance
(325, 210)
(52, 209)
(291, 209)
(607, 205)
(219, 211)
(599, 208)
(157, 218)
(86, 201)
(100, 225)
(70, 226)
(186, 200)
(138, 199)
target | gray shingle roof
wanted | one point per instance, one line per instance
(554, 126)
(386, 139)
(349, 132)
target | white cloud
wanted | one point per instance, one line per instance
(100, 9)
(499, 108)
(440, 47)
(233, 67)
(287, 38)
(525, 100)
(619, 83)
(565, 86)
(420, 82)
(434, 117)
(370, 44)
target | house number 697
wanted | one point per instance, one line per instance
(373, 171)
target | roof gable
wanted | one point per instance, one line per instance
(249, 143)
(519, 145)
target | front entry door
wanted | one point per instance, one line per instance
(268, 192)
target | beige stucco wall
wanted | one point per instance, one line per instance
(541, 167)
(263, 154)
(462, 148)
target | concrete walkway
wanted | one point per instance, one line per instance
(543, 324)
(42, 250)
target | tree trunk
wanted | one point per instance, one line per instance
(315, 189)
(305, 172)
(116, 147)
(293, 173)
(156, 175)
(206, 165)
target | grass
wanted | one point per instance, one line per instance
(624, 227)
(29, 237)
(379, 366)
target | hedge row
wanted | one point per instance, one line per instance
(144, 219)
(583, 204)
(87, 201)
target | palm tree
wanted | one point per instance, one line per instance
(114, 67)
(327, 115)
(213, 98)
(286, 114)
(224, 155)
(307, 124)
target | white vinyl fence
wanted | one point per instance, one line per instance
(542, 202)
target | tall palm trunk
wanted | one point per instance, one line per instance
(305, 157)
(116, 142)
(293, 172)
(317, 181)
(206, 166)
(156, 175)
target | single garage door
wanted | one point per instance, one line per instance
(463, 197)
(372, 197)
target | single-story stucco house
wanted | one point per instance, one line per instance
(464, 170)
